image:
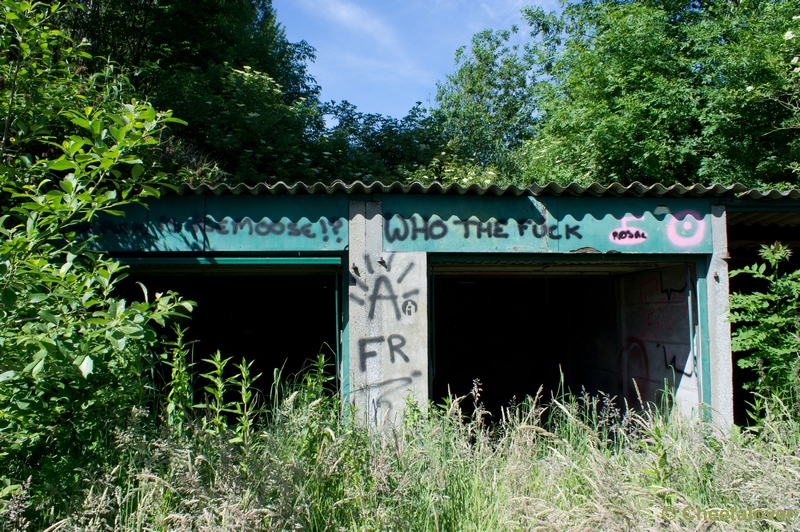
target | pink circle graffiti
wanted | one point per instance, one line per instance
(687, 228)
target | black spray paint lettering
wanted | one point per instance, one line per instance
(488, 229)
(265, 227)
(548, 231)
(334, 225)
(385, 390)
(673, 364)
(377, 294)
(418, 227)
(629, 235)
(383, 289)
(395, 342)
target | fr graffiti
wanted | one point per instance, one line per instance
(398, 228)
(394, 345)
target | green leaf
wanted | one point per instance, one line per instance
(81, 122)
(37, 298)
(37, 368)
(9, 297)
(62, 164)
(68, 184)
(47, 316)
(137, 171)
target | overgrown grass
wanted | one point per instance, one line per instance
(567, 463)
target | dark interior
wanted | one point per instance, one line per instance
(518, 333)
(275, 320)
(747, 232)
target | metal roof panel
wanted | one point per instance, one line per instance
(634, 190)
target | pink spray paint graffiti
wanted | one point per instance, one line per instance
(686, 229)
(635, 371)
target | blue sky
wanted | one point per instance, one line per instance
(384, 55)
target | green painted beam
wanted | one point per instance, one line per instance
(227, 224)
(225, 261)
(480, 224)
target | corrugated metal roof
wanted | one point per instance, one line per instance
(634, 190)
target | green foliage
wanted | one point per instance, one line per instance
(487, 107)
(73, 358)
(367, 146)
(218, 404)
(768, 328)
(227, 68)
(644, 91)
(179, 389)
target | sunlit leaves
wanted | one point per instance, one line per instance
(634, 91)
(72, 356)
(768, 326)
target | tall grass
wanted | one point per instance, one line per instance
(562, 463)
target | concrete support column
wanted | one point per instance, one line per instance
(719, 334)
(388, 302)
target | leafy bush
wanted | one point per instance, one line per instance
(768, 327)
(74, 359)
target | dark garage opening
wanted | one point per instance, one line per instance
(747, 232)
(595, 329)
(276, 319)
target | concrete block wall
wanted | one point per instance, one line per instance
(388, 302)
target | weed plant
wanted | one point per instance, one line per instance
(297, 462)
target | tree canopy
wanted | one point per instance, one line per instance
(253, 111)
(226, 68)
(651, 90)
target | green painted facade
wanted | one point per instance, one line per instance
(303, 229)
(434, 224)
(475, 224)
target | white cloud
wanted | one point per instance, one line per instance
(503, 11)
(356, 19)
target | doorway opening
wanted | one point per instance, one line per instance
(275, 317)
(628, 330)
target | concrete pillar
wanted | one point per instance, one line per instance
(388, 313)
(719, 334)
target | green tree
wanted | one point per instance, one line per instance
(650, 90)
(371, 146)
(487, 107)
(73, 357)
(227, 68)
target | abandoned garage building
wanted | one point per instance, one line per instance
(416, 290)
